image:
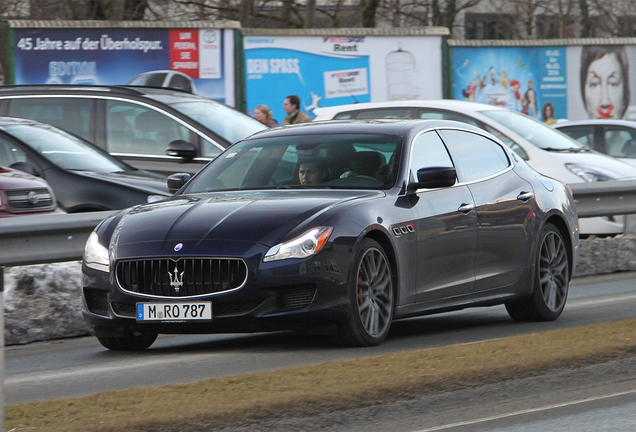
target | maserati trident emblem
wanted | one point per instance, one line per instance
(178, 247)
(176, 280)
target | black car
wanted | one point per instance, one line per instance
(135, 124)
(340, 227)
(82, 176)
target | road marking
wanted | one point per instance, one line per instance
(601, 300)
(31, 377)
(528, 411)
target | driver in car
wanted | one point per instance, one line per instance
(312, 172)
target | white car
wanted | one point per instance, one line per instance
(547, 150)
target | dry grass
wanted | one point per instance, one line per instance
(334, 385)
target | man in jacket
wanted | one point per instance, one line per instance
(294, 114)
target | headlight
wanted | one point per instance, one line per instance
(96, 255)
(587, 174)
(306, 245)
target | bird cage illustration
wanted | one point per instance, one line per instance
(401, 75)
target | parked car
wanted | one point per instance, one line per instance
(335, 225)
(155, 129)
(615, 138)
(164, 78)
(547, 151)
(23, 194)
(83, 177)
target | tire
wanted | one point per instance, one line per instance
(551, 280)
(371, 297)
(134, 342)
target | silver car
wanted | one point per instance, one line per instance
(616, 138)
(548, 151)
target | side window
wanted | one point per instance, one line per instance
(342, 116)
(619, 142)
(181, 82)
(476, 156)
(390, 113)
(136, 129)
(70, 114)
(508, 142)
(429, 151)
(583, 134)
(10, 154)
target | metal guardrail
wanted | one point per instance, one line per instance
(44, 239)
(616, 197)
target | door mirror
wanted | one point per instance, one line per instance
(434, 177)
(176, 181)
(26, 167)
(182, 149)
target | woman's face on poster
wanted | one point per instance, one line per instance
(604, 87)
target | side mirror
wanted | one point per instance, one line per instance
(26, 167)
(176, 181)
(434, 177)
(181, 149)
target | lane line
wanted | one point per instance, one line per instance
(527, 411)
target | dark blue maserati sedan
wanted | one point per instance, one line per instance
(339, 227)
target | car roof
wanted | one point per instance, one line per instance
(594, 122)
(367, 126)
(139, 91)
(433, 103)
(8, 121)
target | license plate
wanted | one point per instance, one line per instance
(195, 311)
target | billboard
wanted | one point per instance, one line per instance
(200, 59)
(532, 80)
(328, 70)
(576, 82)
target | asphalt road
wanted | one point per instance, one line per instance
(78, 367)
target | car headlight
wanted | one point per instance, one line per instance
(95, 254)
(308, 244)
(587, 174)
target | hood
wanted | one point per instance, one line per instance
(261, 217)
(14, 179)
(146, 182)
(553, 164)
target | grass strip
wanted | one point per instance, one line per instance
(334, 385)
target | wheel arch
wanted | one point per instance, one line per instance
(384, 241)
(562, 226)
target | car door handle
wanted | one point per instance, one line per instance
(525, 196)
(466, 208)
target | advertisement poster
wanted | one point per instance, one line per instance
(602, 83)
(532, 80)
(115, 56)
(336, 70)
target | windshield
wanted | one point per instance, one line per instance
(228, 123)
(307, 161)
(532, 130)
(63, 149)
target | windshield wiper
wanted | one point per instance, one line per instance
(568, 150)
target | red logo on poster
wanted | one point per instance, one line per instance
(184, 51)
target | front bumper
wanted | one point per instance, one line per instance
(284, 295)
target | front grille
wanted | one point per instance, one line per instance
(182, 278)
(96, 301)
(295, 298)
(29, 199)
